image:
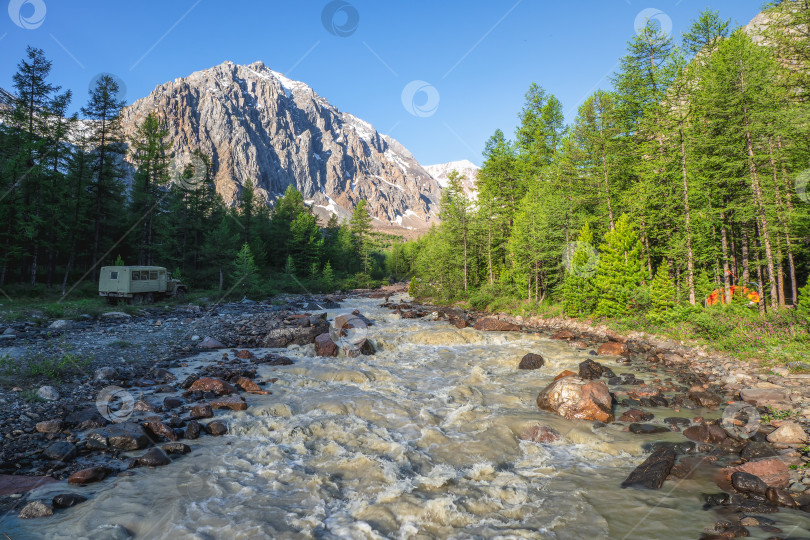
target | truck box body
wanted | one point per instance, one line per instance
(125, 281)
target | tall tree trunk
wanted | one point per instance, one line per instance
(99, 196)
(690, 260)
(793, 285)
(724, 247)
(746, 264)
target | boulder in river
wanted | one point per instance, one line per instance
(491, 324)
(577, 399)
(772, 471)
(88, 476)
(210, 384)
(590, 370)
(540, 434)
(653, 471)
(154, 457)
(68, 500)
(36, 509)
(531, 361)
(706, 433)
(324, 346)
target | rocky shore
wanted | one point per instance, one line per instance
(748, 426)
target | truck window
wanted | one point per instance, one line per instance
(136, 276)
(113, 274)
(153, 275)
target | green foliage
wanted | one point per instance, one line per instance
(53, 364)
(579, 290)
(663, 290)
(119, 261)
(803, 306)
(619, 273)
(245, 274)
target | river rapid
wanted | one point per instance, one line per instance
(420, 440)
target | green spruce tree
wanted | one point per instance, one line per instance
(619, 272)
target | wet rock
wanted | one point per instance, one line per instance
(653, 471)
(215, 386)
(460, 323)
(648, 429)
(249, 386)
(324, 346)
(590, 370)
(612, 348)
(244, 354)
(176, 448)
(10, 483)
(68, 500)
(491, 324)
(717, 499)
(748, 483)
(88, 476)
(365, 347)
(703, 398)
(531, 361)
(772, 471)
(234, 403)
(757, 449)
(36, 509)
(565, 373)
(577, 399)
(540, 434)
(154, 457)
(171, 402)
(677, 421)
(48, 393)
(210, 343)
(636, 415)
(203, 410)
(87, 418)
(158, 430)
(706, 433)
(125, 436)
(217, 428)
(280, 361)
(687, 465)
(788, 433)
(644, 391)
(49, 426)
(60, 451)
(193, 430)
(780, 497)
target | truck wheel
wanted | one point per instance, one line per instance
(137, 299)
(111, 300)
(180, 295)
(148, 298)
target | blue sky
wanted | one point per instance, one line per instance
(477, 57)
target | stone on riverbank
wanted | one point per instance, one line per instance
(612, 348)
(126, 436)
(88, 476)
(491, 324)
(773, 471)
(788, 433)
(154, 457)
(36, 509)
(577, 399)
(706, 433)
(215, 386)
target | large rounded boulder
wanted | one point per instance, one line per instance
(577, 399)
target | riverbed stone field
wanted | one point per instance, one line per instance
(661, 426)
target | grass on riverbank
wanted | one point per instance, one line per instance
(777, 338)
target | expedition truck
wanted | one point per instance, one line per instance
(138, 284)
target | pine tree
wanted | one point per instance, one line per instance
(662, 290)
(361, 229)
(218, 249)
(245, 275)
(803, 306)
(579, 294)
(619, 273)
(328, 276)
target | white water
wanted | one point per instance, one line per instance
(417, 441)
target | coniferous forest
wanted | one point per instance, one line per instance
(687, 177)
(71, 203)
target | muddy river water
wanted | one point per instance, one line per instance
(420, 440)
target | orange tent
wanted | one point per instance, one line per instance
(718, 295)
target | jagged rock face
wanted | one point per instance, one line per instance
(466, 168)
(257, 124)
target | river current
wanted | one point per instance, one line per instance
(420, 440)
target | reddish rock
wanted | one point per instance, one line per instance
(780, 497)
(244, 354)
(565, 373)
(704, 398)
(635, 415)
(159, 430)
(324, 346)
(706, 433)
(577, 399)
(234, 403)
(12, 483)
(460, 323)
(540, 434)
(88, 476)
(210, 384)
(644, 391)
(491, 324)
(563, 334)
(772, 471)
(612, 348)
(763, 396)
(249, 386)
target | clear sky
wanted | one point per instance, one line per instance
(474, 58)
